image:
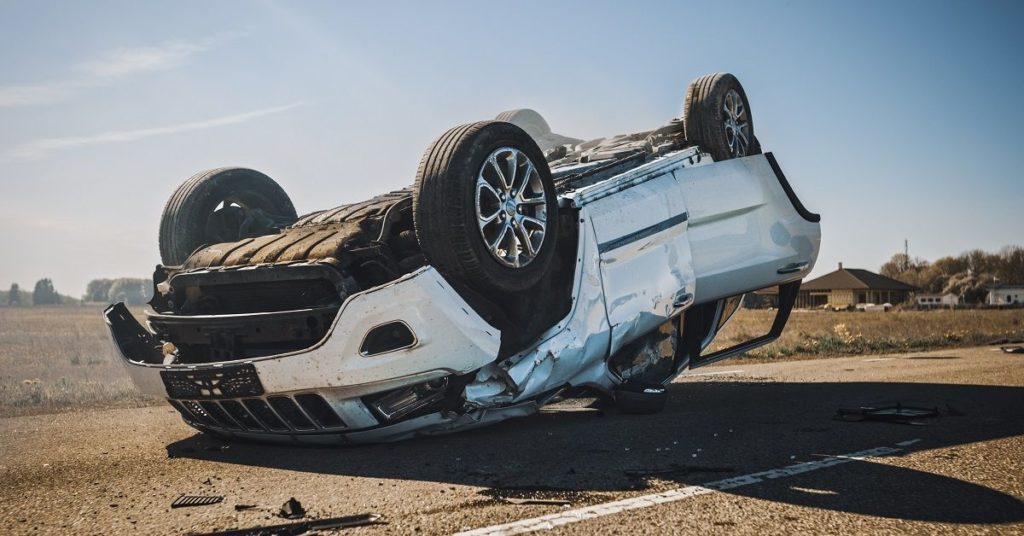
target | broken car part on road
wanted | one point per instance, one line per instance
(521, 263)
(196, 500)
(302, 527)
(894, 413)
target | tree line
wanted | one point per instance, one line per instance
(969, 274)
(131, 290)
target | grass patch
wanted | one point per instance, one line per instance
(59, 359)
(824, 334)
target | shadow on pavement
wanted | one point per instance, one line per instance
(709, 431)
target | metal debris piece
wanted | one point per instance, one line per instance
(516, 500)
(302, 527)
(292, 509)
(894, 413)
(1013, 349)
(240, 507)
(196, 500)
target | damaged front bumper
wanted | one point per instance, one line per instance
(326, 393)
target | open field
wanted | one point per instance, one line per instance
(812, 334)
(59, 358)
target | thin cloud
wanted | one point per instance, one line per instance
(126, 61)
(107, 68)
(14, 96)
(44, 147)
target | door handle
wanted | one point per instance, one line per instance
(683, 299)
(793, 267)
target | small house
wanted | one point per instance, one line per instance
(1005, 295)
(948, 299)
(848, 287)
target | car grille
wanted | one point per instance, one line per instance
(307, 412)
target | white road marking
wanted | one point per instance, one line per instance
(907, 443)
(719, 373)
(877, 359)
(645, 501)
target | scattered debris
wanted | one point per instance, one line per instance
(292, 509)
(240, 507)
(1013, 349)
(676, 468)
(557, 502)
(894, 413)
(196, 500)
(303, 527)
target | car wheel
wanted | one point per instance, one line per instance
(530, 121)
(221, 205)
(717, 117)
(485, 208)
(639, 398)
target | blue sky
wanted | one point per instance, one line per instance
(893, 119)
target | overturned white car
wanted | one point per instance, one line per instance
(522, 263)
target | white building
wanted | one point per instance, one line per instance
(1005, 295)
(937, 300)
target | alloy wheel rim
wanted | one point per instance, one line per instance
(737, 124)
(511, 207)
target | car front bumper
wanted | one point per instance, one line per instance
(317, 394)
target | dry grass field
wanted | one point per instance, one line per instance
(57, 359)
(813, 334)
(60, 359)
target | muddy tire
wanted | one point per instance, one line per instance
(530, 121)
(717, 117)
(474, 223)
(221, 205)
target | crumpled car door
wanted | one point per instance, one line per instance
(646, 263)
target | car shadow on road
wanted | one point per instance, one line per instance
(710, 430)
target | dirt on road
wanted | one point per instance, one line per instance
(698, 467)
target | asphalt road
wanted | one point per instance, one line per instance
(703, 459)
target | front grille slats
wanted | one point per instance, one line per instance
(289, 410)
(262, 411)
(306, 412)
(221, 416)
(239, 413)
(316, 407)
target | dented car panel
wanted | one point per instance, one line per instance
(674, 233)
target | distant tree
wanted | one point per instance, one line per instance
(97, 290)
(1011, 266)
(973, 288)
(132, 291)
(969, 274)
(14, 295)
(44, 294)
(908, 270)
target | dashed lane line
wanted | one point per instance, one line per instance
(680, 494)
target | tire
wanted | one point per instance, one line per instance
(638, 398)
(450, 204)
(191, 218)
(530, 121)
(708, 123)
